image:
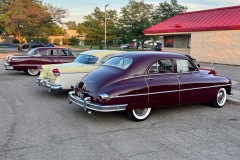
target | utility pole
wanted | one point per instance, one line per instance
(106, 26)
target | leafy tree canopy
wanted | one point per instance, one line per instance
(94, 26)
(166, 10)
(25, 18)
(135, 17)
(71, 25)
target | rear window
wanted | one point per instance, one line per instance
(120, 62)
(86, 59)
(33, 52)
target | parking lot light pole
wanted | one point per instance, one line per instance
(106, 26)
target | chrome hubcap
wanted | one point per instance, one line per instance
(141, 112)
(221, 97)
(33, 71)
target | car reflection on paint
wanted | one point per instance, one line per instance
(138, 81)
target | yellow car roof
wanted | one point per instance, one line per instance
(101, 53)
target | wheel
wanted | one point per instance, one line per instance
(33, 72)
(221, 98)
(139, 114)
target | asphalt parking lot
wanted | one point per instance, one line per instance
(37, 124)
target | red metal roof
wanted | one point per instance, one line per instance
(227, 18)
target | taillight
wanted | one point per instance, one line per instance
(213, 72)
(56, 72)
(40, 68)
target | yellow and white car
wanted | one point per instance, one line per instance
(61, 76)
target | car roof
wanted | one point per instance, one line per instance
(51, 48)
(143, 59)
(101, 53)
(151, 55)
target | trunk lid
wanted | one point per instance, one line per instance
(101, 78)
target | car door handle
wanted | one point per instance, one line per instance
(150, 78)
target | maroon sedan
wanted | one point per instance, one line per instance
(39, 56)
(136, 82)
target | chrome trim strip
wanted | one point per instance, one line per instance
(181, 90)
(87, 104)
(204, 87)
(73, 72)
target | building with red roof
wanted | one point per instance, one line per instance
(207, 35)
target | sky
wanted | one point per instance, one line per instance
(77, 9)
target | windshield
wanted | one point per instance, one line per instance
(33, 52)
(86, 59)
(120, 62)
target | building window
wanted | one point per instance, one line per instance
(177, 41)
(180, 41)
(189, 41)
(169, 41)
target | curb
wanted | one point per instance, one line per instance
(233, 101)
(235, 98)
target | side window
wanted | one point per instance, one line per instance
(45, 53)
(63, 53)
(161, 66)
(69, 53)
(184, 66)
(53, 52)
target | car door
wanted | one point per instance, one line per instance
(191, 82)
(49, 56)
(65, 56)
(163, 84)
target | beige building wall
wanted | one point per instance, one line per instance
(216, 46)
(177, 50)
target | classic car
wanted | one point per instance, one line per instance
(62, 76)
(39, 56)
(34, 44)
(136, 82)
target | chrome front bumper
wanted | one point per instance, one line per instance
(7, 66)
(88, 105)
(46, 83)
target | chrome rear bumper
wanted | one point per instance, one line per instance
(46, 83)
(88, 105)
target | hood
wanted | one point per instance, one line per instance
(100, 78)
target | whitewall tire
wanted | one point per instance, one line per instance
(139, 114)
(221, 98)
(33, 72)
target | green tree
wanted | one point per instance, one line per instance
(166, 10)
(51, 29)
(93, 26)
(71, 25)
(136, 16)
(25, 18)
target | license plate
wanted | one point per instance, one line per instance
(81, 95)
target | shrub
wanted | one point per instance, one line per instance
(15, 41)
(66, 41)
(56, 41)
(74, 41)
